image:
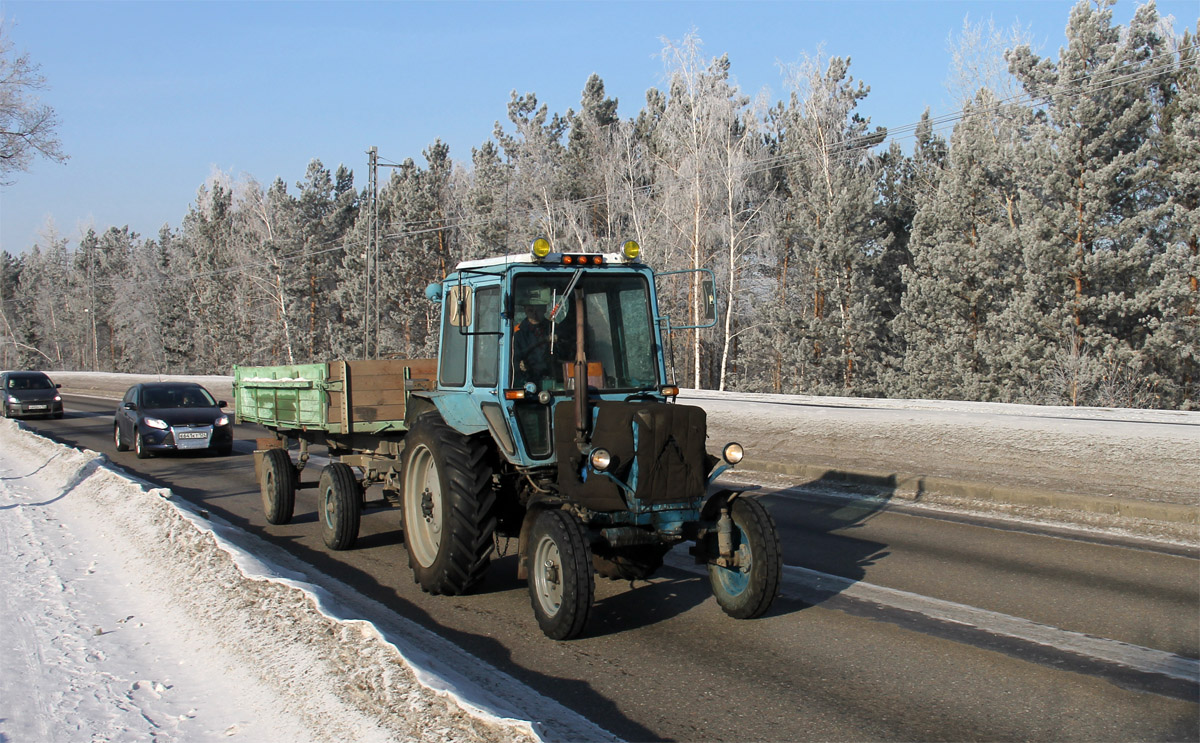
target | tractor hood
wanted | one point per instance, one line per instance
(658, 455)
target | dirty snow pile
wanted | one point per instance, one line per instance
(126, 615)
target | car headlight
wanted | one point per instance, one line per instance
(13, 400)
(222, 421)
(733, 453)
(155, 423)
(58, 398)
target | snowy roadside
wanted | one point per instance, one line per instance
(128, 615)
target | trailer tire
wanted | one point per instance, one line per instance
(562, 584)
(449, 506)
(278, 486)
(749, 592)
(339, 506)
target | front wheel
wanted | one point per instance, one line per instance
(277, 485)
(561, 581)
(139, 447)
(746, 590)
(340, 506)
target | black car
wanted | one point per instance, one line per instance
(30, 393)
(171, 416)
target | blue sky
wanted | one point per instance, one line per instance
(155, 96)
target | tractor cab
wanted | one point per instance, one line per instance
(522, 334)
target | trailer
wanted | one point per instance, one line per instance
(356, 409)
(548, 416)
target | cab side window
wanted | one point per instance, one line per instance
(486, 356)
(455, 316)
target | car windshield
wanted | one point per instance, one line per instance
(30, 383)
(177, 397)
(618, 335)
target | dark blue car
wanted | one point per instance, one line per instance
(171, 416)
(30, 393)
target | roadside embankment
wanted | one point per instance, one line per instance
(1136, 471)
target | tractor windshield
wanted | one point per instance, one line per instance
(618, 332)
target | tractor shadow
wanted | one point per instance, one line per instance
(823, 526)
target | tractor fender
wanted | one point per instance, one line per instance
(459, 410)
(712, 507)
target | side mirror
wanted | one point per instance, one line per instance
(461, 306)
(58, 386)
(129, 406)
(221, 403)
(709, 297)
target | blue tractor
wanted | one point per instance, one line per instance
(554, 421)
(548, 417)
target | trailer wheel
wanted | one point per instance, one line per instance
(561, 580)
(340, 506)
(449, 506)
(747, 591)
(278, 486)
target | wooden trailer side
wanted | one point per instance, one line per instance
(372, 394)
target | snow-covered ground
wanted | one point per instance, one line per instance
(127, 615)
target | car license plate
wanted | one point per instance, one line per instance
(192, 435)
(37, 407)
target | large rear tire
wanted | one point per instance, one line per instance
(747, 591)
(340, 506)
(449, 506)
(562, 584)
(277, 484)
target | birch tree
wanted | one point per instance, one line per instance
(701, 161)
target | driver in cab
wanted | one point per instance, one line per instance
(535, 342)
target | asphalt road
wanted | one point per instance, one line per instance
(891, 626)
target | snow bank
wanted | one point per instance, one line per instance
(336, 677)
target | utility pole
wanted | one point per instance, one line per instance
(92, 309)
(372, 255)
(373, 271)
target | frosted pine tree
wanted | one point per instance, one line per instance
(832, 307)
(1173, 345)
(1100, 199)
(966, 262)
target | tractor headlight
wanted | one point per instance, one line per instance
(600, 459)
(540, 248)
(733, 453)
(631, 250)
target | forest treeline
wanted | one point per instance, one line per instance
(1039, 246)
